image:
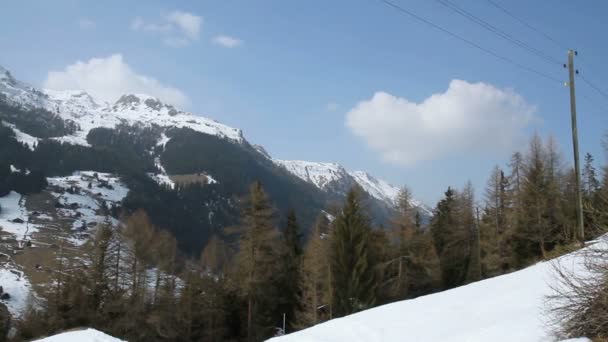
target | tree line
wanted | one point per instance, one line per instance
(133, 283)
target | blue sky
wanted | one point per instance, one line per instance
(296, 68)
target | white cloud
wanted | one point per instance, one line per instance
(139, 24)
(177, 28)
(109, 78)
(467, 118)
(86, 24)
(227, 41)
(188, 23)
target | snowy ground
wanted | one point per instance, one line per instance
(17, 286)
(14, 217)
(88, 335)
(83, 204)
(508, 308)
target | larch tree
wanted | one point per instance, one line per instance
(258, 263)
(314, 286)
(497, 214)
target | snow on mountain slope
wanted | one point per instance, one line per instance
(84, 198)
(333, 177)
(14, 218)
(318, 174)
(17, 286)
(22, 137)
(87, 335)
(19, 93)
(88, 113)
(507, 308)
(376, 187)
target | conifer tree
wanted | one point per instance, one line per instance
(314, 286)
(495, 224)
(468, 221)
(291, 268)
(452, 240)
(352, 271)
(257, 263)
(590, 182)
(538, 222)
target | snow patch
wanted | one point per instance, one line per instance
(18, 288)
(83, 204)
(14, 217)
(88, 335)
(161, 178)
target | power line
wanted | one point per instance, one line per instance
(506, 36)
(589, 83)
(507, 12)
(467, 41)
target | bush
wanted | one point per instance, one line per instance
(579, 304)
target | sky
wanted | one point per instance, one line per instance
(353, 82)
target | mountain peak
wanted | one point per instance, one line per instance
(6, 76)
(143, 102)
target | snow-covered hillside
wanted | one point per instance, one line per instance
(507, 308)
(87, 335)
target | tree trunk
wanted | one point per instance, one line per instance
(249, 318)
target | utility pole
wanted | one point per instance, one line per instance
(579, 195)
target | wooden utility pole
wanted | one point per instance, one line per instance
(579, 196)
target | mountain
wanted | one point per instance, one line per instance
(334, 178)
(189, 172)
(506, 308)
(130, 109)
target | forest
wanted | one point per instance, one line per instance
(263, 270)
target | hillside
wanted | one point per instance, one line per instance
(505, 308)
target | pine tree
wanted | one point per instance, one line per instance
(352, 271)
(452, 240)
(291, 267)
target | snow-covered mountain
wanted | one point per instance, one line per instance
(87, 113)
(332, 177)
(132, 109)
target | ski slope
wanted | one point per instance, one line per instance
(508, 308)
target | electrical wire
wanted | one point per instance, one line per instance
(596, 88)
(507, 12)
(467, 41)
(493, 29)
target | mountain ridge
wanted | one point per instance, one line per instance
(81, 108)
